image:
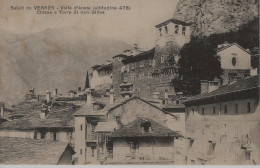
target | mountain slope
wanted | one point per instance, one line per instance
(53, 58)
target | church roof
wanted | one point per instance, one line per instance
(173, 21)
(222, 47)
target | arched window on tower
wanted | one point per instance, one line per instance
(166, 29)
(176, 29)
(183, 30)
(160, 30)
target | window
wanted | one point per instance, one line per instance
(118, 119)
(133, 67)
(162, 59)
(43, 134)
(166, 29)
(247, 155)
(236, 108)
(141, 64)
(183, 30)
(160, 31)
(203, 112)
(192, 111)
(234, 61)
(92, 131)
(248, 107)
(150, 62)
(134, 146)
(81, 151)
(127, 68)
(176, 29)
(214, 110)
(154, 62)
(225, 109)
(81, 127)
(92, 151)
(146, 126)
(133, 77)
(54, 136)
(125, 78)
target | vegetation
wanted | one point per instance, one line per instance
(199, 61)
(87, 81)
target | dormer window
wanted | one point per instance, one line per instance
(183, 30)
(160, 30)
(146, 126)
(176, 29)
(166, 29)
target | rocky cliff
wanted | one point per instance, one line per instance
(216, 16)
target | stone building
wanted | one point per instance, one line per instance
(152, 71)
(222, 126)
(101, 76)
(235, 62)
(98, 123)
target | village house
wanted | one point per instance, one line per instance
(35, 152)
(101, 77)
(222, 124)
(235, 62)
(152, 71)
(99, 126)
(44, 122)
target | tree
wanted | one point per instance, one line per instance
(199, 60)
(87, 81)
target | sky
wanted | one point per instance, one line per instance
(134, 26)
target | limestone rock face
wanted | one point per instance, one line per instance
(216, 16)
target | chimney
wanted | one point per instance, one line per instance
(111, 96)
(56, 91)
(204, 86)
(48, 96)
(89, 92)
(2, 108)
(44, 113)
(213, 85)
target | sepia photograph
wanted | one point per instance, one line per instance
(129, 82)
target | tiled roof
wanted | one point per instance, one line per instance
(134, 129)
(173, 21)
(241, 85)
(59, 117)
(29, 151)
(106, 126)
(142, 56)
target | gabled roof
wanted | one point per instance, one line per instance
(34, 152)
(173, 21)
(87, 110)
(239, 86)
(225, 46)
(134, 129)
(136, 97)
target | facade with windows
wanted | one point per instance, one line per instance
(152, 71)
(222, 126)
(126, 130)
(101, 76)
(235, 62)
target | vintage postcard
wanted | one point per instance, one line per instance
(129, 82)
